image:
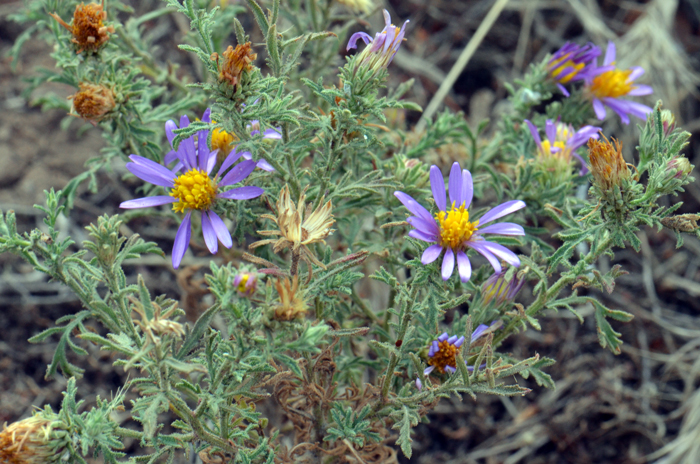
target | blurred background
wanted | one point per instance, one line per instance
(641, 406)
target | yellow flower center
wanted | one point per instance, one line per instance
(244, 280)
(446, 356)
(222, 140)
(546, 152)
(455, 228)
(614, 83)
(560, 65)
(194, 190)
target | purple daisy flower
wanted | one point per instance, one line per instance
(608, 83)
(384, 45)
(572, 63)
(450, 229)
(562, 141)
(194, 188)
(442, 354)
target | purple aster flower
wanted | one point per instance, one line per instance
(451, 230)
(383, 47)
(608, 83)
(194, 188)
(500, 289)
(442, 354)
(572, 63)
(562, 141)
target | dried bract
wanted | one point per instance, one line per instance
(292, 304)
(607, 165)
(236, 60)
(93, 102)
(88, 29)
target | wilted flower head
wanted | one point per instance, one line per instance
(572, 63)
(442, 354)
(500, 288)
(607, 84)
(236, 60)
(194, 189)
(562, 141)
(246, 282)
(607, 164)
(298, 226)
(451, 229)
(93, 101)
(160, 324)
(359, 6)
(28, 441)
(383, 47)
(89, 32)
(292, 303)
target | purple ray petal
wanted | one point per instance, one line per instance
(415, 208)
(238, 173)
(640, 90)
(483, 251)
(535, 133)
(450, 369)
(464, 266)
(147, 202)
(582, 136)
(563, 90)
(387, 18)
(459, 341)
(209, 235)
(431, 254)
(455, 185)
(479, 331)
(424, 236)
(242, 193)
(182, 239)
(265, 166)
(637, 71)
(448, 264)
(424, 226)
(428, 370)
(584, 168)
(211, 161)
(551, 131)
(272, 134)
(502, 252)
(609, 54)
(150, 175)
(352, 43)
(221, 230)
(444, 336)
(230, 159)
(503, 228)
(467, 188)
(452, 339)
(501, 210)
(437, 185)
(599, 109)
(170, 126)
(170, 157)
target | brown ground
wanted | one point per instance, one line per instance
(606, 409)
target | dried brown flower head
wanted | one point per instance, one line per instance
(298, 226)
(682, 222)
(26, 441)
(93, 101)
(607, 165)
(292, 303)
(88, 29)
(236, 60)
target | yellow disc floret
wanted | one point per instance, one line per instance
(563, 152)
(446, 356)
(614, 83)
(194, 190)
(455, 228)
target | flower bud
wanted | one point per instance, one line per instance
(246, 283)
(680, 167)
(668, 121)
(93, 102)
(358, 6)
(501, 287)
